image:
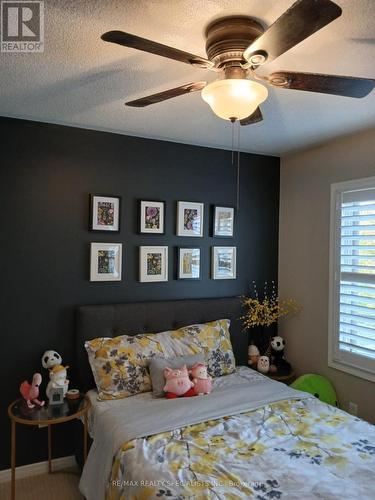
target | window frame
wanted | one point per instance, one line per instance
(344, 361)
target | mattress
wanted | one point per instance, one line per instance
(250, 438)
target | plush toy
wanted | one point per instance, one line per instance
(30, 392)
(177, 383)
(58, 380)
(51, 359)
(263, 364)
(277, 356)
(201, 380)
(253, 355)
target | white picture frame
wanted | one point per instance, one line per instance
(153, 264)
(224, 263)
(223, 223)
(105, 213)
(152, 216)
(106, 262)
(188, 263)
(190, 218)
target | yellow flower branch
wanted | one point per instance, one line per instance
(266, 311)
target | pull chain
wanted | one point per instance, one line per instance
(233, 125)
(234, 121)
(238, 167)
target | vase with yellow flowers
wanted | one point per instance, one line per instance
(262, 312)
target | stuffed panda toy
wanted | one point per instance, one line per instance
(277, 356)
(50, 359)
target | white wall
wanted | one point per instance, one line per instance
(304, 255)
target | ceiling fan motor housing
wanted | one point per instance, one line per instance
(228, 37)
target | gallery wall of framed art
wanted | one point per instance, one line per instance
(106, 258)
(165, 197)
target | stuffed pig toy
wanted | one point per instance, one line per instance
(202, 381)
(177, 383)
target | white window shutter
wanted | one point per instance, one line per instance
(352, 275)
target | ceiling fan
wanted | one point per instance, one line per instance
(236, 47)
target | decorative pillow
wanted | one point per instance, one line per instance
(158, 364)
(213, 339)
(119, 364)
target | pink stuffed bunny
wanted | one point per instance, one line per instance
(202, 381)
(177, 383)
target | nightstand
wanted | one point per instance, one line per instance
(286, 379)
(47, 415)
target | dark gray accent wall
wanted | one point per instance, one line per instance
(46, 175)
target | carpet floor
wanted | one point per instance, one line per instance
(60, 485)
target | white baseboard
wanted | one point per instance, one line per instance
(38, 468)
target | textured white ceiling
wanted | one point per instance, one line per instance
(82, 81)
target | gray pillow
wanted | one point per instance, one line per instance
(158, 364)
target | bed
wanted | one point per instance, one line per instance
(250, 438)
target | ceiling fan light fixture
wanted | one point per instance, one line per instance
(234, 98)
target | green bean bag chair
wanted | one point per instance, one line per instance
(318, 386)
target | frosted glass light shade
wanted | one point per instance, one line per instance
(234, 98)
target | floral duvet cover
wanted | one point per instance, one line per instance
(293, 449)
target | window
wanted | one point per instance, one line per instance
(352, 278)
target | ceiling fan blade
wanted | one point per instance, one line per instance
(136, 42)
(348, 86)
(167, 94)
(253, 118)
(304, 18)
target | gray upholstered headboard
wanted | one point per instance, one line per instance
(139, 317)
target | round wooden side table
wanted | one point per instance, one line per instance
(48, 415)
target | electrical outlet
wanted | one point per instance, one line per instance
(353, 408)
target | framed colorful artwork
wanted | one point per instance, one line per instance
(152, 215)
(105, 213)
(223, 263)
(153, 264)
(189, 218)
(188, 263)
(223, 223)
(106, 262)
